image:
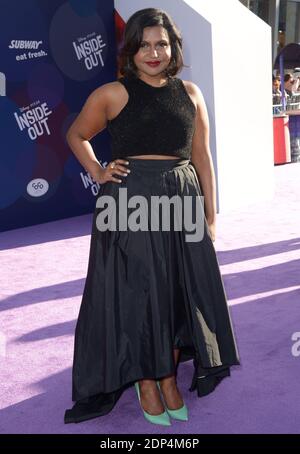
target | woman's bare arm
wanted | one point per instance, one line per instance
(201, 155)
(91, 120)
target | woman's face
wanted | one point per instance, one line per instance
(155, 47)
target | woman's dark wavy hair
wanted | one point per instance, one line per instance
(133, 35)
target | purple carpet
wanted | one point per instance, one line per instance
(43, 269)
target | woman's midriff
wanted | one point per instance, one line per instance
(153, 156)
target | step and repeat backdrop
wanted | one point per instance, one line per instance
(54, 53)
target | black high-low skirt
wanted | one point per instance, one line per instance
(148, 291)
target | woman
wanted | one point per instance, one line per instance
(152, 299)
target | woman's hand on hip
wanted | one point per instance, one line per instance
(104, 174)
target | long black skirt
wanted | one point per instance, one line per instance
(147, 292)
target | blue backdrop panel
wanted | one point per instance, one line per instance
(54, 53)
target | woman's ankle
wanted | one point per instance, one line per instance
(147, 384)
(168, 381)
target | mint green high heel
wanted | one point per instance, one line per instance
(162, 419)
(180, 413)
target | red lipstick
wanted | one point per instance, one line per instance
(153, 64)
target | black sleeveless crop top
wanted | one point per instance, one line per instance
(155, 120)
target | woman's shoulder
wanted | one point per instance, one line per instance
(109, 89)
(106, 95)
(196, 94)
(190, 86)
(192, 90)
(104, 89)
(114, 85)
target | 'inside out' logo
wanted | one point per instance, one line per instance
(89, 50)
(88, 181)
(34, 119)
(80, 50)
